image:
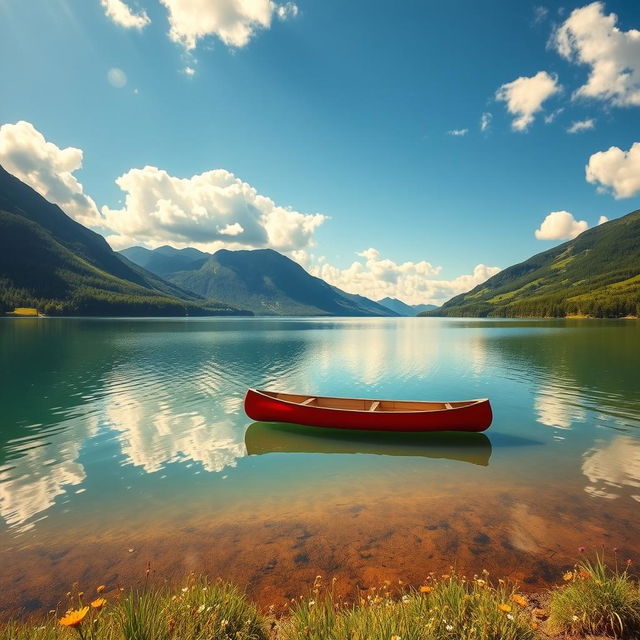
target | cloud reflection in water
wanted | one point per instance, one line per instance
(613, 468)
(42, 470)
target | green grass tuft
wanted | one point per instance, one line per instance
(198, 611)
(143, 616)
(597, 600)
(454, 608)
(214, 611)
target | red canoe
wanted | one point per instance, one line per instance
(372, 415)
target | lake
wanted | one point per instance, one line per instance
(124, 445)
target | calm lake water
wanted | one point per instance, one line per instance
(124, 442)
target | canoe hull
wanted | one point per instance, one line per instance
(264, 408)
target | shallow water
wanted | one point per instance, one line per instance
(124, 442)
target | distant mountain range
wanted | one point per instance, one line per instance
(54, 264)
(165, 260)
(403, 309)
(262, 281)
(595, 274)
(50, 262)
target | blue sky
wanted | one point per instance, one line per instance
(342, 109)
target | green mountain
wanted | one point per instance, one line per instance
(595, 274)
(404, 309)
(166, 259)
(50, 262)
(268, 283)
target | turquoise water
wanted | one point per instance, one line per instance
(124, 442)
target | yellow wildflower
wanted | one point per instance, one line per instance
(98, 603)
(519, 600)
(74, 618)
(504, 607)
(568, 575)
(100, 589)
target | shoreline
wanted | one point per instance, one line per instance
(579, 605)
(275, 317)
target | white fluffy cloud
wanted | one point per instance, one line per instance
(376, 277)
(581, 125)
(287, 10)
(560, 225)
(590, 37)
(208, 210)
(122, 15)
(464, 283)
(458, 132)
(47, 168)
(525, 95)
(235, 22)
(485, 121)
(117, 78)
(616, 170)
(603, 219)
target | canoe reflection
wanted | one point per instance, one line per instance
(276, 437)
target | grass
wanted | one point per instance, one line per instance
(141, 616)
(203, 611)
(597, 600)
(448, 608)
(200, 610)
